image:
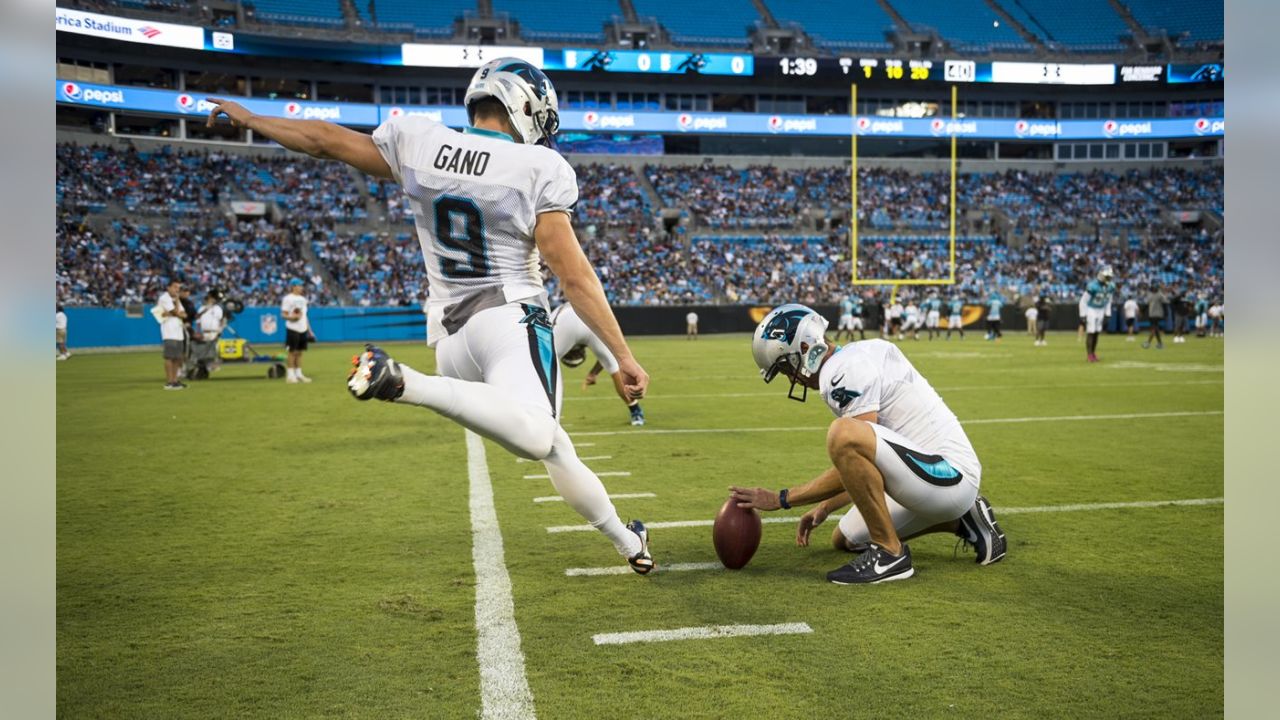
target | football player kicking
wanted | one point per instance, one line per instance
(488, 203)
(898, 452)
(573, 337)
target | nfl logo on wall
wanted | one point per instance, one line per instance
(267, 324)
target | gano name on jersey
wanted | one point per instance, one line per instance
(874, 376)
(475, 199)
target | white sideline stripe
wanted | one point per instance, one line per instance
(999, 512)
(621, 496)
(589, 457)
(602, 474)
(504, 690)
(1111, 506)
(953, 388)
(626, 569)
(979, 421)
(700, 633)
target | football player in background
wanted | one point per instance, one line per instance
(1044, 312)
(1098, 294)
(489, 203)
(932, 314)
(995, 303)
(844, 326)
(573, 338)
(912, 322)
(898, 453)
(956, 320)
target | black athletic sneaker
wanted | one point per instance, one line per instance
(978, 527)
(641, 562)
(874, 565)
(637, 415)
(375, 375)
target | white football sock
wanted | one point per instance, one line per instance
(484, 409)
(584, 492)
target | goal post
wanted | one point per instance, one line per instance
(853, 194)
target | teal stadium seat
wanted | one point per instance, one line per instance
(1201, 21)
(726, 23)
(845, 25)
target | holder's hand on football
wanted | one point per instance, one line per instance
(808, 522)
(757, 498)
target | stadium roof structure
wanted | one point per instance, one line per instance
(1133, 29)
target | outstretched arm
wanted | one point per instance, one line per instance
(562, 253)
(317, 138)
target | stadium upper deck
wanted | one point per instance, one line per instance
(962, 26)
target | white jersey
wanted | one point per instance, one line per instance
(1131, 309)
(210, 318)
(570, 332)
(475, 199)
(291, 303)
(874, 376)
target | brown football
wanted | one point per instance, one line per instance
(736, 534)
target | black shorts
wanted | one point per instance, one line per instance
(295, 341)
(1130, 322)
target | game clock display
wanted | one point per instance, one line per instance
(854, 69)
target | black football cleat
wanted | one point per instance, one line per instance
(979, 528)
(641, 562)
(375, 375)
(874, 565)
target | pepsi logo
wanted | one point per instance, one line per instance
(685, 121)
(1109, 128)
(1020, 128)
(936, 126)
(186, 103)
(591, 119)
(1202, 126)
(71, 91)
(864, 123)
(292, 109)
(395, 112)
(775, 123)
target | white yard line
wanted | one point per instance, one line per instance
(589, 457)
(626, 569)
(943, 389)
(700, 633)
(602, 474)
(979, 421)
(999, 512)
(504, 690)
(620, 496)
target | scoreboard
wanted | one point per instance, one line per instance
(907, 71)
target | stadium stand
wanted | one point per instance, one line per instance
(428, 19)
(583, 22)
(726, 24)
(849, 25)
(323, 13)
(1199, 21)
(140, 216)
(968, 25)
(1082, 26)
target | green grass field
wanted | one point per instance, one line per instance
(248, 548)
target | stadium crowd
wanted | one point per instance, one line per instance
(174, 220)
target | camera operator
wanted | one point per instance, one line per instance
(210, 322)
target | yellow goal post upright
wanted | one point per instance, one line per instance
(853, 194)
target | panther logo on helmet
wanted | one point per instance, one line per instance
(783, 325)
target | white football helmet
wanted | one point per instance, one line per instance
(524, 91)
(1105, 275)
(790, 340)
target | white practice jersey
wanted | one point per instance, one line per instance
(570, 332)
(475, 199)
(874, 376)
